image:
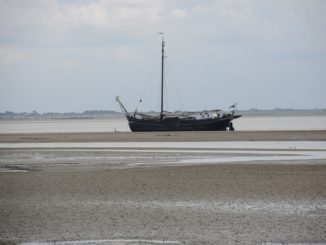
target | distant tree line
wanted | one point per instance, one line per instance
(283, 112)
(110, 114)
(58, 115)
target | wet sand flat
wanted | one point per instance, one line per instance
(244, 204)
(312, 135)
(109, 196)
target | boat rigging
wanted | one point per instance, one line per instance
(207, 120)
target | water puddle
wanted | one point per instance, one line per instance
(271, 145)
(17, 157)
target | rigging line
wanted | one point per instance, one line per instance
(165, 88)
(168, 93)
(174, 84)
(202, 89)
(158, 95)
(171, 96)
(192, 74)
(169, 89)
(147, 83)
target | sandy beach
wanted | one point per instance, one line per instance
(133, 195)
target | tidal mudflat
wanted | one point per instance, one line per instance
(208, 192)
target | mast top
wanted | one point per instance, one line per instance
(162, 34)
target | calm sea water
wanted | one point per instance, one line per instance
(120, 124)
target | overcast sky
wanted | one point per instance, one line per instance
(76, 55)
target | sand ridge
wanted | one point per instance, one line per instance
(310, 135)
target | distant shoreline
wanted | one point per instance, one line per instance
(282, 112)
(8, 115)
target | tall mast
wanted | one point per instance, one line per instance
(162, 76)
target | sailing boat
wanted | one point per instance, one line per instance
(207, 120)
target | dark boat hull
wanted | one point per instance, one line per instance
(176, 124)
(213, 120)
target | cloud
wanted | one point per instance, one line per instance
(33, 13)
(12, 56)
(178, 13)
(78, 13)
(49, 13)
(119, 13)
(237, 43)
(82, 14)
